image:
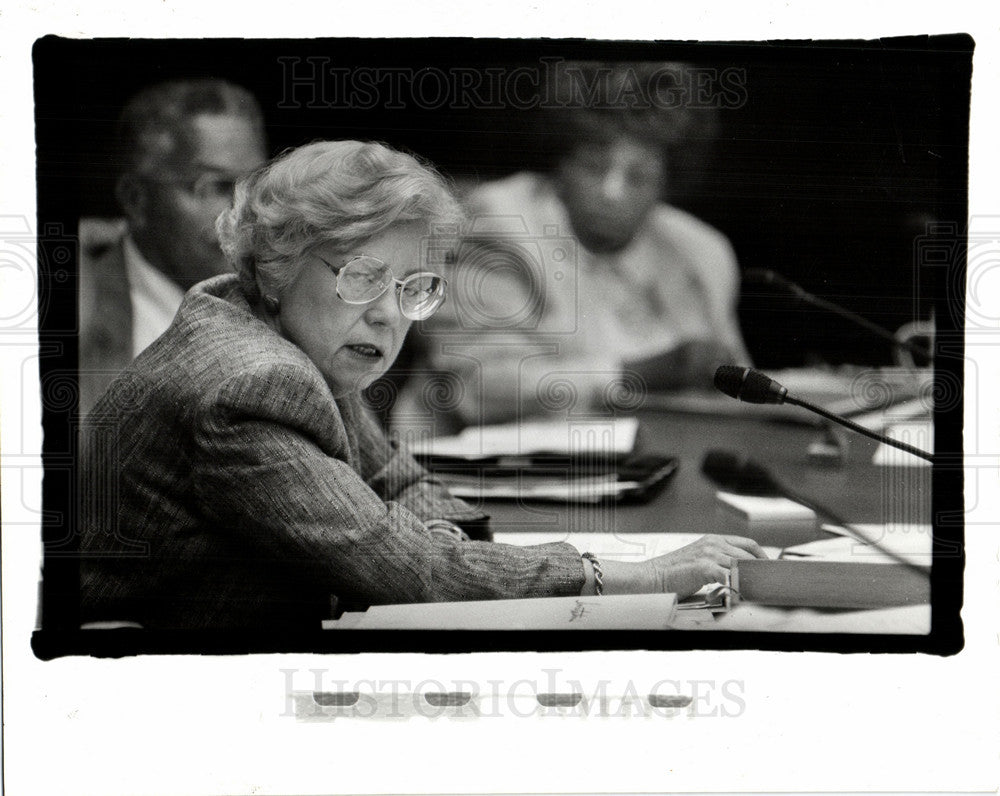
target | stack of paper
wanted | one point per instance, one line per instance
(564, 462)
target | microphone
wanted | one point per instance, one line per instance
(768, 277)
(752, 386)
(743, 476)
(739, 475)
(747, 384)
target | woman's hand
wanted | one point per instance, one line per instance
(707, 560)
(682, 571)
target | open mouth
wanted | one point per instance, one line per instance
(365, 351)
(602, 243)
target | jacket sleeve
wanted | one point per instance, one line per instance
(394, 475)
(273, 465)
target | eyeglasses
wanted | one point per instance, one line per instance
(362, 279)
(203, 187)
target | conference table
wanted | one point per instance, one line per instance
(855, 489)
(858, 484)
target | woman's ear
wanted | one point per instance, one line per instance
(133, 198)
(267, 291)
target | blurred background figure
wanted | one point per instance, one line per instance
(580, 286)
(181, 146)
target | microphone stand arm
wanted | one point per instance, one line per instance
(800, 293)
(790, 399)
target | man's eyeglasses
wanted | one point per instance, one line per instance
(362, 279)
(204, 187)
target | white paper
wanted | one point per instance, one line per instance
(910, 543)
(600, 437)
(759, 509)
(917, 434)
(569, 490)
(612, 612)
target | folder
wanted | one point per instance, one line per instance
(815, 583)
(586, 461)
(634, 480)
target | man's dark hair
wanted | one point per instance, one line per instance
(155, 126)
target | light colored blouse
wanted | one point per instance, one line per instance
(536, 323)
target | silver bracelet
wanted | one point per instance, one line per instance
(598, 573)
(447, 527)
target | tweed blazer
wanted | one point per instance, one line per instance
(225, 486)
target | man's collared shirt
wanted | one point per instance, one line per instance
(155, 298)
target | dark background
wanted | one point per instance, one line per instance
(845, 170)
(841, 156)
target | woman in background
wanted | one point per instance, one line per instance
(581, 283)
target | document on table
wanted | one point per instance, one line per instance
(563, 490)
(618, 612)
(918, 434)
(904, 542)
(615, 436)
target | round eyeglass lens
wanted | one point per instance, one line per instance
(363, 279)
(421, 295)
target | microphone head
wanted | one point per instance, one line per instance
(748, 385)
(762, 275)
(739, 475)
(729, 379)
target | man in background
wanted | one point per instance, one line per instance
(181, 146)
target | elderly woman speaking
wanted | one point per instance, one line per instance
(233, 478)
